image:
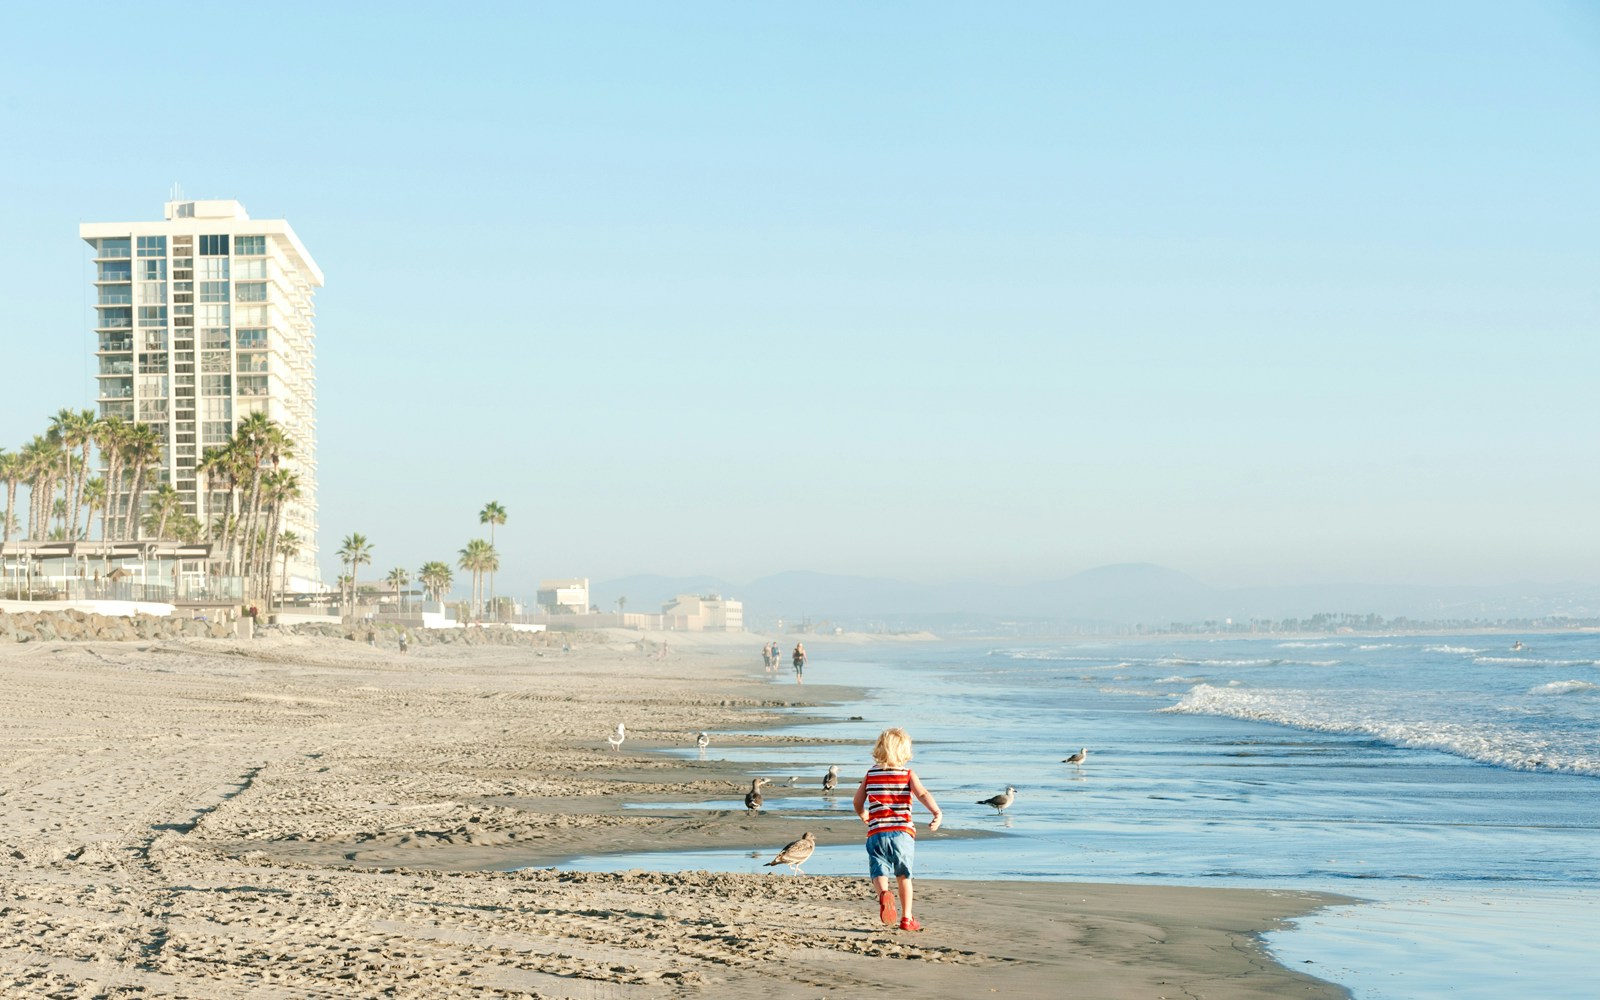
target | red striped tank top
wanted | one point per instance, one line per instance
(889, 801)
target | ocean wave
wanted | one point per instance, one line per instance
(1312, 663)
(1458, 650)
(1472, 739)
(1175, 679)
(1312, 645)
(1527, 661)
(1565, 687)
(1178, 661)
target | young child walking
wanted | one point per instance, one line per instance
(884, 803)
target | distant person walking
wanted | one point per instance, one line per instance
(799, 663)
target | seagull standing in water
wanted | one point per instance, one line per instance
(702, 741)
(1000, 801)
(1079, 757)
(616, 738)
(752, 798)
(830, 781)
(796, 853)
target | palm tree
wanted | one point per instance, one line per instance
(109, 433)
(280, 487)
(164, 506)
(398, 578)
(262, 444)
(76, 430)
(493, 513)
(288, 546)
(356, 551)
(11, 472)
(436, 577)
(478, 558)
(622, 604)
(94, 499)
(143, 449)
(40, 460)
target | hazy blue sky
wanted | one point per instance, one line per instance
(1265, 292)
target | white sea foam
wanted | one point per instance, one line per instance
(1566, 687)
(1381, 718)
(1374, 646)
(1528, 661)
(1178, 661)
(1458, 650)
(1312, 645)
(1175, 679)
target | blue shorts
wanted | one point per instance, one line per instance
(890, 854)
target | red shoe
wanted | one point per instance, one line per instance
(907, 924)
(886, 910)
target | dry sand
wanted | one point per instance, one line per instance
(293, 817)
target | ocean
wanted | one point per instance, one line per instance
(1451, 783)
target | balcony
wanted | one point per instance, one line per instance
(115, 368)
(112, 391)
(115, 346)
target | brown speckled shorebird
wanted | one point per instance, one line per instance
(796, 853)
(752, 798)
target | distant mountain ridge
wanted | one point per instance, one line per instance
(1118, 595)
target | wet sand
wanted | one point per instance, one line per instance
(297, 817)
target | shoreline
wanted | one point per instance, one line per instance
(305, 818)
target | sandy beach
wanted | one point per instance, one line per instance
(307, 817)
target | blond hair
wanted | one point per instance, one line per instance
(893, 748)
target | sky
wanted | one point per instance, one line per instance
(1266, 293)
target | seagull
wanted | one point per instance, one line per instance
(1000, 801)
(616, 738)
(796, 853)
(1079, 757)
(752, 798)
(831, 779)
(702, 741)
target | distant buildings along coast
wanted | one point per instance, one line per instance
(202, 319)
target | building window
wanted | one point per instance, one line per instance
(215, 361)
(153, 270)
(152, 315)
(247, 269)
(216, 409)
(213, 268)
(152, 246)
(213, 432)
(216, 385)
(153, 409)
(252, 385)
(152, 293)
(249, 246)
(213, 291)
(214, 338)
(213, 316)
(251, 338)
(252, 315)
(214, 246)
(121, 246)
(252, 363)
(251, 291)
(153, 364)
(118, 270)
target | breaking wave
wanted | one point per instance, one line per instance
(1378, 717)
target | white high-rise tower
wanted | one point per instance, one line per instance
(203, 319)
